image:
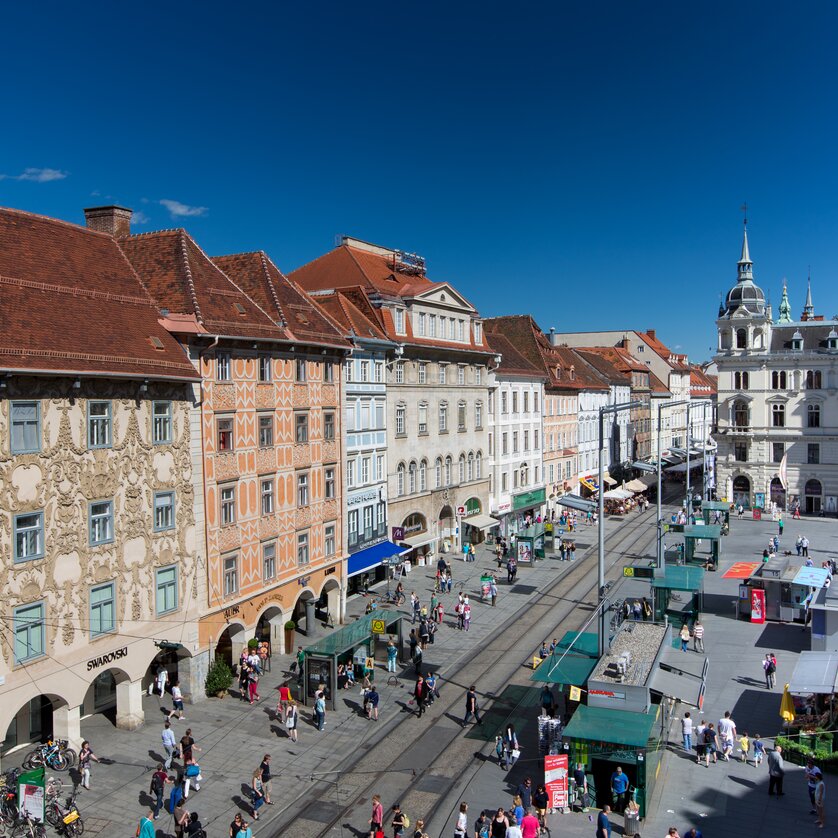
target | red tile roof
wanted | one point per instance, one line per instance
(701, 384)
(351, 309)
(658, 386)
(620, 358)
(72, 304)
(512, 361)
(673, 359)
(295, 314)
(184, 280)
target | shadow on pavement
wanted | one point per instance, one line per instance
(787, 637)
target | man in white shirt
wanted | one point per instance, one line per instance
(727, 733)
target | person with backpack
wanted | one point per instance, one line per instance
(400, 821)
(482, 826)
(769, 665)
(158, 787)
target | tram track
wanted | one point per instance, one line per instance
(404, 764)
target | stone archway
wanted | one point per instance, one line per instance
(35, 720)
(270, 628)
(329, 601)
(447, 527)
(742, 491)
(114, 695)
(230, 643)
(304, 614)
(813, 493)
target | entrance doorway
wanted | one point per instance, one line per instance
(231, 643)
(742, 491)
(602, 769)
(814, 497)
(32, 723)
(447, 527)
(778, 494)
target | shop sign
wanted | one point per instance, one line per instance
(363, 497)
(412, 528)
(232, 611)
(110, 657)
(526, 499)
(608, 694)
(473, 507)
(757, 605)
(555, 779)
(377, 626)
(504, 507)
(398, 533)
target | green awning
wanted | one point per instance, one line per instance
(572, 670)
(531, 532)
(618, 727)
(347, 638)
(681, 578)
(708, 531)
(584, 643)
(715, 505)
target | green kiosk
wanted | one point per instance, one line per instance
(679, 594)
(716, 512)
(529, 544)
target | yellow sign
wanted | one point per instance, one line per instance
(575, 694)
(378, 626)
(536, 662)
(628, 571)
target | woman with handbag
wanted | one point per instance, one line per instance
(191, 774)
(377, 818)
(257, 794)
(291, 720)
(511, 749)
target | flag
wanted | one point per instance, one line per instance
(782, 471)
(575, 694)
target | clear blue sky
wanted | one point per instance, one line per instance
(583, 162)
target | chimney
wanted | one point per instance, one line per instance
(651, 333)
(553, 335)
(113, 220)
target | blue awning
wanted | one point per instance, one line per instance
(373, 556)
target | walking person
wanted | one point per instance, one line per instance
(177, 702)
(376, 820)
(266, 777)
(776, 771)
(320, 709)
(711, 745)
(471, 706)
(811, 782)
(169, 743)
(698, 635)
(805, 545)
(466, 615)
(603, 824)
(420, 696)
(799, 545)
(157, 788)
(769, 665)
(392, 653)
(687, 731)
(700, 750)
(291, 717)
(85, 755)
(257, 795)
(619, 789)
(187, 746)
(684, 634)
(282, 703)
(372, 700)
(511, 748)
(727, 735)
(780, 526)
(398, 821)
(759, 750)
(161, 676)
(146, 828)
(493, 590)
(412, 642)
(415, 607)
(820, 799)
(461, 829)
(744, 746)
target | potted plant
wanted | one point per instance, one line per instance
(219, 678)
(252, 644)
(290, 629)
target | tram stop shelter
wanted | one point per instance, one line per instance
(355, 645)
(709, 509)
(572, 662)
(529, 544)
(702, 545)
(668, 593)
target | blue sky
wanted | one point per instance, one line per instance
(582, 162)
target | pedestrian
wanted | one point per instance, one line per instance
(415, 607)
(177, 702)
(799, 545)
(687, 731)
(191, 774)
(431, 684)
(580, 779)
(284, 698)
(776, 771)
(727, 735)
(524, 791)
(499, 752)
(376, 820)
(740, 510)
(146, 828)
(266, 778)
(466, 615)
(236, 825)
(517, 813)
(194, 829)
(711, 745)
(493, 590)
(511, 570)
(320, 709)
(805, 545)
(169, 743)
(769, 665)
(482, 826)
(780, 525)
(698, 635)
(413, 642)
(372, 700)
(432, 631)
(424, 633)
(244, 830)
(548, 703)
(291, 717)
(511, 748)
(637, 611)
(471, 706)
(603, 824)
(692, 832)
(759, 750)
(619, 789)
(157, 788)
(252, 685)
(257, 795)
(85, 755)
(180, 814)
(672, 833)
(461, 829)
(159, 681)
(500, 824)
(187, 746)
(700, 750)
(398, 821)
(472, 556)
(420, 695)
(811, 782)
(417, 660)
(744, 746)
(684, 634)
(541, 800)
(820, 799)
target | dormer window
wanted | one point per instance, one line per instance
(399, 318)
(832, 339)
(797, 341)
(572, 373)
(558, 372)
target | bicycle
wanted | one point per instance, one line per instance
(51, 755)
(66, 820)
(392, 597)
(53, 787)
(26, 827)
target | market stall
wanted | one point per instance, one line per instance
(529, 544)
(785, 583)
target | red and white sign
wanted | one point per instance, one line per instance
(461, 510)
(757, 605)
(555, 779)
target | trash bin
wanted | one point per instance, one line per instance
(632, 820)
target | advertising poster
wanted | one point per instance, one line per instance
(757, 605)
(30, 793)
(555, 779)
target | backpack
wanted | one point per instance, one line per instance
(771, 668)
(156, 784)
(406, 820)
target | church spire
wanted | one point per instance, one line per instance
(785, 306)
(808, 308)
(746, 266)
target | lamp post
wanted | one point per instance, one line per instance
(615, 409)
(660, 569)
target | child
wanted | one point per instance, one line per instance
(744, 745)
(759, 750)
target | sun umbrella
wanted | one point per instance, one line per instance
(787, 706)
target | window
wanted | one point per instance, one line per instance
(423, 418)
(741, 414)
(379, 414)
(432, 325)
(224, 431)
(423, 372)
(29, 536)
(478, 334)
(491, 444)
(778, 380)
(348, 369)
(302, 489)
(813, 450)
(264, 368)
(379, 372)
(302, 548)
(102, 609)
(461, 330)
(266, 431)
(478, 465)
(514, 401)
(461, 416)
(478, 414)
(101, 522)
(164, 511)
(740, 452)
(778, 449)
(515, 479)
(400, 472)
(421, 325)
(504, 404)
(478, 375)
(504, 443)
(462, 468)
(448, 464)
(401, 413)
(535, 402)
(813, 416)
(301, 427)
(269, 560)
(368, 510)
(778, 415)
(329, 539)
(470, 466)
(438, 469)
(222, 368)
(365, 470)
(26, 427)
(813, 380)
(228, 505)
(504, 482)
(399, 321)
(231, 575)
(741, 339)
(741, 380)
(535, 439)
(329, 480)
(329, 372)
(526, 402)
(161, 423)
(380, 517)
(443, 417)
(379, 467)
(411, 478)
(352, 526)
(423, 475)
(514, 442)
(350, 473)
(29, 632)
(526, 440)
(461, 375)
(166, 585)
(328, 425)
(300, 371)
(98, 424)
(400, 372)
(267, 496)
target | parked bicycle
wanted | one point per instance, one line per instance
(66, 819)
(54, 754)
(392, 597)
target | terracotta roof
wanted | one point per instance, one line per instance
(605, 366)
(353, 312)
(701, 384)
(71, 303)
(299, 318)
(658, 386)
(184, 280)
(512, 361)
(377, 276)
(620, 358)
(673, 359)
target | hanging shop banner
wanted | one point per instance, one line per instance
(30, 794)
(757, 605)
(555, 779)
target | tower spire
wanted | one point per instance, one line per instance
(808, 308)
(746, 266)
(785, 306)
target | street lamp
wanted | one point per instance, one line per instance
(615, 409)
(660, 569)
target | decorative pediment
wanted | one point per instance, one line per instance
(445, 294)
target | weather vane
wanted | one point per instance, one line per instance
(744, 209)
